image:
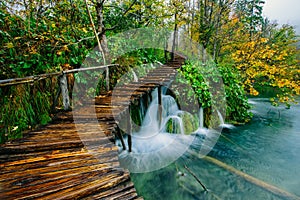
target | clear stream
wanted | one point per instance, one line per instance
(268, 148)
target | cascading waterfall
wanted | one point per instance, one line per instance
(152, 147)
(222, 122)
(173, 124)
(159, 142)
(201, 118)
(220, 118)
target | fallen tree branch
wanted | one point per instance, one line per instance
(197, 179)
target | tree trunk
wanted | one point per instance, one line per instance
(174, 38)
(101, 30)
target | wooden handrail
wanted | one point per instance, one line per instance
(31, 79)
(62, 81)
(88, 68)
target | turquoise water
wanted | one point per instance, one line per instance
(268, 149)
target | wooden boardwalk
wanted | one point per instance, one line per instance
(53, 162)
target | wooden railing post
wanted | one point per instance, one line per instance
(107, 78)
(63, 83)
(129, 130)
(159, 104)
(120, 136)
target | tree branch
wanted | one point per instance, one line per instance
(194, 175)
(129, 8)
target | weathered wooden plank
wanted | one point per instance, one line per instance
(128, 93)
(48, 158)
(49, 174)
(132, 88)
(41, 143)
(66, 186)
(41, 147)
(84, 189)
(100, 155)
(21, 156)
(118, 192)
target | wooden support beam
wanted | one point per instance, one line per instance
(107, 78)
(129, 130)
(64, 91)
(120, 136)
(159, 95)
(55, 100)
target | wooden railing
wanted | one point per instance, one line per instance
(63, 83)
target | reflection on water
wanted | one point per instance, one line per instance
(268, 149)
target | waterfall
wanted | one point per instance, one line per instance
(153, 147)
(142, 109)
(201, 117)
(220, 118)
(169, 106)
(173, 124)
(160, 142)
(222, 122)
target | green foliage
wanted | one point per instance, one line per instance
(192, 73)
(236, 101)
(37, 40)
(43, 43)
(237, 106)
(23, 107)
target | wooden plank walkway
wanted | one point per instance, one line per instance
(53, 162)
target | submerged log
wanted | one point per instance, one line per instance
(266, 186)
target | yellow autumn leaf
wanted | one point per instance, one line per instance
(253, 92)
(9, 45)
(84, 30)
(63, 18)
(264, 40)
(65, 48)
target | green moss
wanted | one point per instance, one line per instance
(23, 107)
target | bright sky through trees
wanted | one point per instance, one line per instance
(283, 12)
